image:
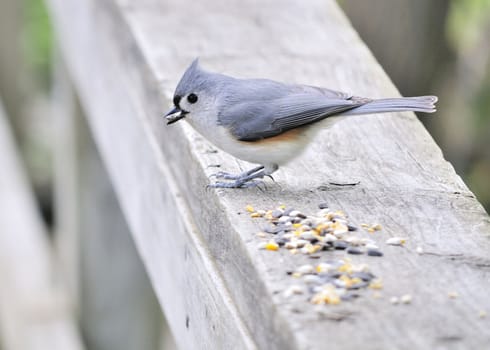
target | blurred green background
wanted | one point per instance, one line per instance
(439, 47)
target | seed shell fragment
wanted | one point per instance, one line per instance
(398, 241)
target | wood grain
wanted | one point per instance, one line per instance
(216, 288)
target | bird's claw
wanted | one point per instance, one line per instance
(245, 179)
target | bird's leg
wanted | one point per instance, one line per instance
(247, 178)
(228, 176)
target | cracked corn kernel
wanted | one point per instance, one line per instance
(271, 245)
(257, 214)
(326, 296)
(323, 267)
(376, 284)
(311, 248)
(339, 228)
(249, 208)
(356, 280)
(349, 282)
(323, 227)
(346, 267)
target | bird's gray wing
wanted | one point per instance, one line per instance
(309, 89)
(253, 120)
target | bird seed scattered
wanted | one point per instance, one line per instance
(309, 234)
(330, 281)
(327, 282)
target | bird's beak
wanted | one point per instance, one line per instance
(175, 114)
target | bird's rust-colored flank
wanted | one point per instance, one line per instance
(290, 135)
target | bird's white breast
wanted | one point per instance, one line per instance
(263, 152)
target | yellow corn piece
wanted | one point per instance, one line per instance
(376, 284)
(271, 246)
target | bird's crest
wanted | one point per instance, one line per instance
(191, 80)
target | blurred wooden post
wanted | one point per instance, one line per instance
(34, 312)
(115, 301)
(11, 66)
(414, 47)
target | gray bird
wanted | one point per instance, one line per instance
(267, 122)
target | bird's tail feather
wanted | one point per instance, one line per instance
(424, 104)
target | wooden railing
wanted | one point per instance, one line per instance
(118, 64)
(34, 310)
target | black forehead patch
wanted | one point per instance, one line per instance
(177, 99)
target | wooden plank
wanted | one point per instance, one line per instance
(118, 308)
(66, 182)
(192, 238)
(34, 312)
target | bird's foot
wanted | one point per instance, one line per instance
(228, 176)
(246, 179)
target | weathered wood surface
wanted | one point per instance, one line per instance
(34, 312)
(216, 288)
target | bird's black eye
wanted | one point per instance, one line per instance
(192, 98)
(176, 100)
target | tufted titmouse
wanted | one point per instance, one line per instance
(266, 122)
